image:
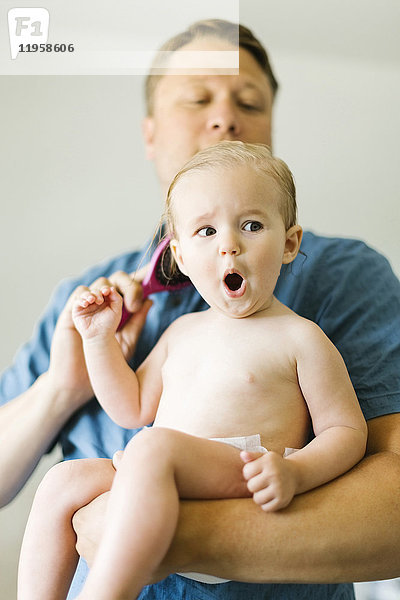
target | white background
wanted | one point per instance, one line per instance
(75, 186)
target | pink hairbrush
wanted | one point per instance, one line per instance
(159, 277)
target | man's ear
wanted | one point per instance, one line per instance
(148, 136)
(292, 245)
(176, 253)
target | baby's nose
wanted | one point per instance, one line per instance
(229, 245)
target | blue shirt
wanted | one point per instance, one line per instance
(341, 284)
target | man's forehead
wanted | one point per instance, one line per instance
(191, 81)
(250, 74)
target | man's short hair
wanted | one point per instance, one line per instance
(222, 30)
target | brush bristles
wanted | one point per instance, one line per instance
(167, 271)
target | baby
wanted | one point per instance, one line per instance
(231, 391)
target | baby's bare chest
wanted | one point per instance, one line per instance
(238, 381)
(226, 363)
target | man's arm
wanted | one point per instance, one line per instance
(28, 426)
(30, 422)
(347, 530)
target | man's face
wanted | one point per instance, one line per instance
(192, 112)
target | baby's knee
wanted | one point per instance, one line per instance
(62, 480)
(57, 476)
(151, 442)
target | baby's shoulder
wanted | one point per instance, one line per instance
(306, 335)
(185, 322)
(296, 328)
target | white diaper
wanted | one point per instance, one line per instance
(250, 443)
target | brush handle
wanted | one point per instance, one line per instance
(156, 280)
(150, 284)
(125, 316)
(148, 281)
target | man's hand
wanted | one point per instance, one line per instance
(88, 523)
(129, 287)
(67, 375)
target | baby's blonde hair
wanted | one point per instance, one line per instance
(232, 155)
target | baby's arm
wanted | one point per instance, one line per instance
(339, 427)
(130, 403)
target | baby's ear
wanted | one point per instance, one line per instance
(292, 245)
(176, 253)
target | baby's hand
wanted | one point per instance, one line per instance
(97, 312)
(270, 478)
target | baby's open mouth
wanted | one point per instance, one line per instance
(233, 281)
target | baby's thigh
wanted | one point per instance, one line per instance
(201, 468)
(75, 483)
(209, 469)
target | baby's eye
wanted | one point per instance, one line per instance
(252, 226)
(206, 231)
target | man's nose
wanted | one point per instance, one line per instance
(224, 120)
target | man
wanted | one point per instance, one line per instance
(345, 531)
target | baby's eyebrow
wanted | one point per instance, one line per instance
(203, 218)
(255, 212)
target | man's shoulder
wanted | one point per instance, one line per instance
(319, 247)
(334, 273)
(327, 259)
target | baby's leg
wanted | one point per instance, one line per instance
(48, 555)
(158, 467)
